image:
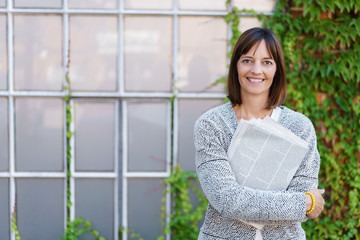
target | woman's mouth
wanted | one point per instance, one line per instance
(255, 80)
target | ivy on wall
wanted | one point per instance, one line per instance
(322, 51)
(185, 218)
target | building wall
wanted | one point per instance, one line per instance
(141, 74)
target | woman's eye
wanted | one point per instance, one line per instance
(268, 62)
(246, 61)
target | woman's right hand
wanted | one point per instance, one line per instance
(319, 202)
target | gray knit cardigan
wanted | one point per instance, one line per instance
(281, 211)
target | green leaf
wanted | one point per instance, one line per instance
(87, 224)
(95, 233)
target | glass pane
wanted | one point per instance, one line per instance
(203, 56)
(148, 57)
(147, 124)
(3, 53)
(189, 112)
(40, 208)
(38, 3)
(202, 4)
(94, 49)
(39, 134)
(94, 201)
(148, 4)
(4, 133)
(4, 209)
(93, 4)
(38, 52)
(249, 22)
(257, 5)
(2, 3)
(144, 206)
(94, 124)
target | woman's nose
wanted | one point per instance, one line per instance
(256, 69)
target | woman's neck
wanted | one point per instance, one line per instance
(252, 108)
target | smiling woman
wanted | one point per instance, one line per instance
(258, 54)
(256, 71)
(256, 89)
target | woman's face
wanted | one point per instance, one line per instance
(256, 71)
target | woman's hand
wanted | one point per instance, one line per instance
(319, 202)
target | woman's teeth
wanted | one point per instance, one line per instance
(255, 80)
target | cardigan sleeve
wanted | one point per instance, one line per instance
(226, 195)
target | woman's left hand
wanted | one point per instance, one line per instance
(319, 202)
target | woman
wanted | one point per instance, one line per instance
(256, 88)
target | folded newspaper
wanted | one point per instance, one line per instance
(265, 155)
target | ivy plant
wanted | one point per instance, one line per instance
(78, 226)
(322, 52)
(185, 217)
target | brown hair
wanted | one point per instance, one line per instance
(245, 42)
